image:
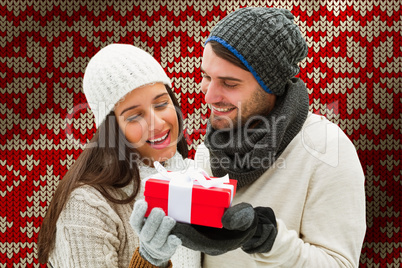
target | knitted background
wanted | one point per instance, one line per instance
(353, 74)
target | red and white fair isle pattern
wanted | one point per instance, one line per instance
(353, 73)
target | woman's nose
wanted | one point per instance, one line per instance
(156, 122)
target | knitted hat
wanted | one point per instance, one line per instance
(267, 41)
(116, 70)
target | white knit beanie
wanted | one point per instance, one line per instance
(116, 70)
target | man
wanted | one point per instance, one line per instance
(298, 171)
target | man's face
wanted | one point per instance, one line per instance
(233, 94)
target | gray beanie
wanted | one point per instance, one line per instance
(116, 70)
(267, 41)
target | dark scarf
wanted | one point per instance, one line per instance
(246, 153)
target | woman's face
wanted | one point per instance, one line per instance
(148, 119)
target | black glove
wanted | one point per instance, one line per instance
(243, 226)
(265, 233)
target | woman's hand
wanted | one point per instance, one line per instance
(157, 245)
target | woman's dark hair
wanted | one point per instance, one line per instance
(107, 162)
(224, 53)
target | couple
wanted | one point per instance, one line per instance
(300, 200)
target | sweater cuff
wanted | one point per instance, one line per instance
(138, 261)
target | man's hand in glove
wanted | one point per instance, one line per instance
(252, 229)
(157, 245)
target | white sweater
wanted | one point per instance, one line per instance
(93, 232)
(316, 189)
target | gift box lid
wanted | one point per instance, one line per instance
(213, 196)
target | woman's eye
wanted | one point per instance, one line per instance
(161, 105)
(133, 118)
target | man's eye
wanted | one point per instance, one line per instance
(204, 75)
(229, 85)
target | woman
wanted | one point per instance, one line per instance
(88, 221)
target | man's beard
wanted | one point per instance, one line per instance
(246, 113)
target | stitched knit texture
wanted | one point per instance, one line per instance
(267, 41)
(116, 70)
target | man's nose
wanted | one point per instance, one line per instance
(212, 93)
